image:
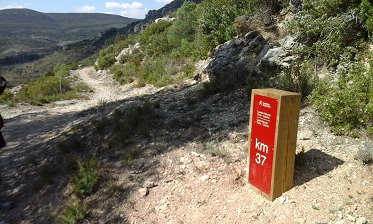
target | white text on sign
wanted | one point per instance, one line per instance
(263, 148)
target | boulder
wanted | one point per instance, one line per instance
(235, 61)
(128, 51)
(248, 59)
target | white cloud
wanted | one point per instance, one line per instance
(14, 6)
(163, 1)
(134, 13)
(133, 10)
(86, 8)
(133, 5)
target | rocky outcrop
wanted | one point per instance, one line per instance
(247, 60)
(235, 60)
(280, 55)
(128, 51)
(160, 13)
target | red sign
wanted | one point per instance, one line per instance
(263, 128)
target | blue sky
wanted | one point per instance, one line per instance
(133, 9)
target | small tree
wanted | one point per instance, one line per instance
(184, 27)
(61, 71)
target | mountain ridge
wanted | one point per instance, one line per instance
(44, 30)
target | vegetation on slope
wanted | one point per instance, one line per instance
(333, 34)
(338, 34)
(168, 50)
(53, 86)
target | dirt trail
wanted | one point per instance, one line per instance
(104, 90)
(25, 123)
(192, 168)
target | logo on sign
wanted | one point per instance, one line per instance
(264, 104)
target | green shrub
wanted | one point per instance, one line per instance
(154, 29)
(153, 39)
(43, 90)
(329, 29)
(365, 154)
(216, 21)
(366, 14)
(85, 179)
(213, 148)
(298, 78)
(346, 102)
(131, 154)
(53, 86)
(184, 27)
(125, 73)
(105, 61)
(100, 124)
(73, 212)
(7, 98)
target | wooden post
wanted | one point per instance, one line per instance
(273, 131)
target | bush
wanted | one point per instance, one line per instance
(85, 178)
(73, 212)
(154, 39)
(105, 61)
(329, 29)
(346, 102)
(298, 78)
(216, 21)
(365, 154)
(70, 144)
(43, 90)
(7, 98)
(184, 27)
(366, 13)
(53, 86)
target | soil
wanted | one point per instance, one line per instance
(190, 167)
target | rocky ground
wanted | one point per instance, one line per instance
(190, 168)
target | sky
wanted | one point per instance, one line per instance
(132, 9)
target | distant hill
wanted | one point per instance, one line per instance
(25, 30)
(32, 43)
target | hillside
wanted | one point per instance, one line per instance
(25, 30)
(189, 168)
(161, 134)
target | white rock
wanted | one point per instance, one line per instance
(299, 220)
(351, 218)
(204, 178)
(195, 154)
(305, 135)
(149, 184)
(144, 192)
(281, 200)
(361, 220)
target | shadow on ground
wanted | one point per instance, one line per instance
(183, 117)
(312, 164)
